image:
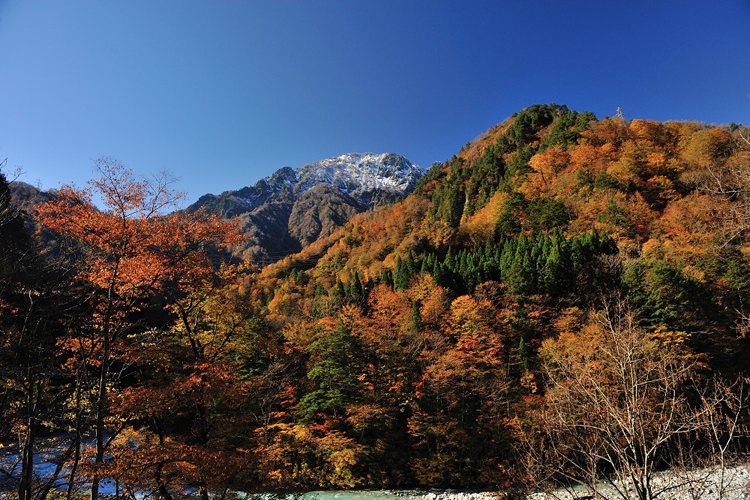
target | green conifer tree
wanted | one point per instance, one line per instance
(400, 275)
(357, 291)
(523, 356)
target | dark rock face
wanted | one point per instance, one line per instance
(319, 211)
(26, 198)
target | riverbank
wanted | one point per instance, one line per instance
(701, 484)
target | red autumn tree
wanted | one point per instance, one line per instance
(130, 250)
(184, 421)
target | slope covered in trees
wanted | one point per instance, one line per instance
(471, 335)
(524, 236)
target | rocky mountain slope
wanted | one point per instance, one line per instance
(26, 198)
(294, 207)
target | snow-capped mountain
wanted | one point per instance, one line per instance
(359, 173)
(294, 207)
(368, 178)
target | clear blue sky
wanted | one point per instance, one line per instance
(222, 93)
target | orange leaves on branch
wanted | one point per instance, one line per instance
(140, 462)
(705, 148)
(612, 131)
(129, 251)
(388, 311)
(653, 133)
(133, 246)
(470, 319)
(545, 168)
(689, 223)
(481, 225)
(589, 157)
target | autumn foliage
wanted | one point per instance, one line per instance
(432, 342)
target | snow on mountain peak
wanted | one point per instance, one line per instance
(361, 174)
(369, 178)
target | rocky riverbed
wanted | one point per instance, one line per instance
(701, 484)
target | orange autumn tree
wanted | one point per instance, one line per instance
(183, 426)
(617, 403)
(130, 252)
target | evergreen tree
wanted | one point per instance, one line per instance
(337, 296)
(425, 265)
(452, 206)
(450, 260)
(387, 278)
(437, 272)
(551, 277)
(523, 356)
(401, 275)
(15, 242)
(411, 266)
(334, 371)
(357, 291)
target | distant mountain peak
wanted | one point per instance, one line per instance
(361, 173)
(294, 207)
(369, 178)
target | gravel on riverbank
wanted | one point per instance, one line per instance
(702, 484)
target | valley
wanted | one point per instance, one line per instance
(561, 302)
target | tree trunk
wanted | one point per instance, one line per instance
(27, 460)
(203, 489)
(33, 396)
(78, 436)
(101, 409)
(163, 491)
(58, 469)
(74, 467)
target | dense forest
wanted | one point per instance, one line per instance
(565, 299)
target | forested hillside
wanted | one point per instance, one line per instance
(564, 298)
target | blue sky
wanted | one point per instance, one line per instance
(222, 93)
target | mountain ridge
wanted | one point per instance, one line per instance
(291, 208)
(359, 174)
(421, 340)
